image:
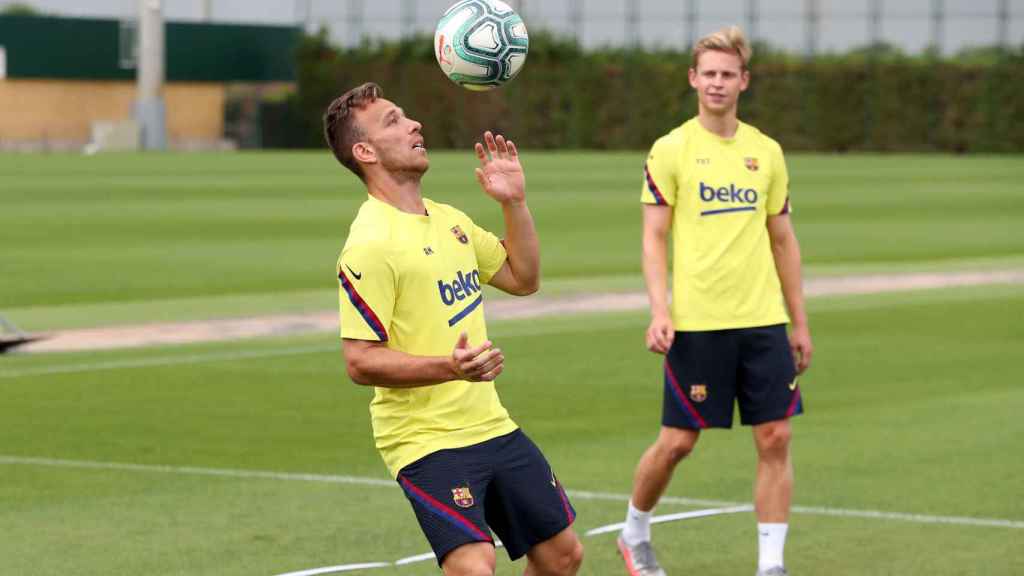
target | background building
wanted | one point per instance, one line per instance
(794, 25)
(55, 93)
(224, 56)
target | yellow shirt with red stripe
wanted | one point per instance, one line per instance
(413, 281)
(720, 191)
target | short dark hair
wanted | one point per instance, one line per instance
(340, 129)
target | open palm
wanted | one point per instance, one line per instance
(500, 174)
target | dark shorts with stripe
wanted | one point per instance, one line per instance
(707, 373)
(504, 484)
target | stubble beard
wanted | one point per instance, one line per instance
(403, 171)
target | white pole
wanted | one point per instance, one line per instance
(205, 10)
(307, 18)
(149, 104)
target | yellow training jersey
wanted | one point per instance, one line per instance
(413, 281)
(721, 191)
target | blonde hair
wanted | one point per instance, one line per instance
(729, 40)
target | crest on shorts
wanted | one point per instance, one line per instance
(460, 234)
(751, 163)
(462, 496)
(698, 392)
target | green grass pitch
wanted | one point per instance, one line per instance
(232, 459)
(267, 228)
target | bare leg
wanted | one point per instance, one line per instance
(773, 489)
(560, 555)
(654, 471)
(476, 559)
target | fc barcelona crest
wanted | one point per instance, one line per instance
(698, 392)
(460, 234)
(751, 163)
(462, 496)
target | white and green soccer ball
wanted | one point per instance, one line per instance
(480, 44)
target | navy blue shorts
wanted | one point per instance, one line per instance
(504, 484)
(707, 373)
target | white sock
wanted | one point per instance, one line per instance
(771, 538)
(638, 526)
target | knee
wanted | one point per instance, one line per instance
(774, 437)
(469, 565)
(479, 568)
(674, 448)
(575, 558)
(568, 562)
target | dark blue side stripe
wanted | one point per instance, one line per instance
(363, 308)
(724, 210)
(659, 198)
(465, 311)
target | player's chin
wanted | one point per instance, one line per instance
(421, 166)
(719, 105)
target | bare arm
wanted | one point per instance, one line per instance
(786, 252)
(501, 176)
(657, 224)
(374, 364)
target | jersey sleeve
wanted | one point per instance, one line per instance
(366, 292)
(490, 252)
(778, 191)
(660, 179)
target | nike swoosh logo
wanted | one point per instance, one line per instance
(354, 275)
(792, 385)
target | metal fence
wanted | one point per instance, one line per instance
(798, 26)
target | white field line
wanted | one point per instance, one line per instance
(674, 518)
(350, 567)
(169, 360)
(576, 494)
(193, 471)
(337, 569)
(431, 556)
(498, 544)
(416, 558)
(513, 308)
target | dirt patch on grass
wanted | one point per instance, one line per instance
(536, 306)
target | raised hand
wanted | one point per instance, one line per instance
(480, 364)
(500, 174)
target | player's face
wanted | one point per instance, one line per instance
(395, 138)
(719, 78)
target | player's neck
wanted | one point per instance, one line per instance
(403, 194)
(724, 125)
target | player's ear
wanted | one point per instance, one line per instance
(364, 152)
(692, 74)
(744, 79)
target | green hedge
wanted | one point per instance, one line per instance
(623, 99)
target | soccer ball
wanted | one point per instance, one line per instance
(480, 44)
